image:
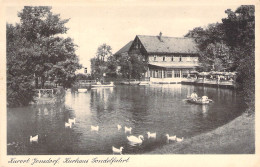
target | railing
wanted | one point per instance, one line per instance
(45, 92)
(87, 81)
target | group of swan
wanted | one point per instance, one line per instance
(173, 138)
(132, 139)
(70, 122)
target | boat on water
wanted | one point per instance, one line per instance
(199, 101)
(82, 90)
(144, 83)
(103, 85)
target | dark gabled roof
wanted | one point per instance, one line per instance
(153, 44)
(124, 49)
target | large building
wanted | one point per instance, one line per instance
(169, 59)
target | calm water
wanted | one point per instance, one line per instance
(157, 108)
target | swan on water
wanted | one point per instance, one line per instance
(116, 150)
(151, 135)
(72, 121)
(179, 139)
(67, 124)
(170, 138)
(94, 128)
(128, 129)
(119, 127)
(34, 138)
(135, 140)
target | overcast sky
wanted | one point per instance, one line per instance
(93, 24)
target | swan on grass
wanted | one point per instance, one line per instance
(72, 121)
(119, 127)
(67, 125)
(34, 138)
(128, 129)
(135, 140)
(94, 128)
(171, 138)
(151, 135)
(116, 150)
(179, 139)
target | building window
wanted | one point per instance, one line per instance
(172, 58)
(169, 74)
(185, 73)
(177, 73)
(163, 58)
(156, 74)
(154, 58)
(151, 73)
(180, 58)
(160, 74)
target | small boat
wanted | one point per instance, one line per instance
(199, 101)
(104, 85)
(82, 90)
(144, 83)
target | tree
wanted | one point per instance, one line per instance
(34, 50)
(132, 66)
(102, 63)
(103, 52)
(52, 54)
(231, 45)
(19, 73)
(239, 29)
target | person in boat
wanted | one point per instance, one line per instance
(204, 98)
(194, 96)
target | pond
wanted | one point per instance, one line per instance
(155, 108)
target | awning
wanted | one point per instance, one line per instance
(173, 64)
(203, 73)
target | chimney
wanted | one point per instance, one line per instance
(160, 36)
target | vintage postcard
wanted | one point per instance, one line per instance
(129, 83)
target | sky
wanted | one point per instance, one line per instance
(93, 24)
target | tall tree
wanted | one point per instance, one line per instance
(41, 27)
(35, 50)
(103, 52)
(19, 73)
(240, 32)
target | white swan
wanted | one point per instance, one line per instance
(119, 127)
(128, 129)
(72, 121)
(67, 124)
(135, 140)
(179, 139)
(171, 138)
(34, 138)
(94, 128)
(116, 150)
(151, 135)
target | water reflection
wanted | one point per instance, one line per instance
(157, 108)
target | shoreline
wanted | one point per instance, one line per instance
(235, 137)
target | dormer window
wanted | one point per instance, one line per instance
(154, 58)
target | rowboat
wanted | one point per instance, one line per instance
(104, 85)
(82, 90)
(199, 101)
(144, 83)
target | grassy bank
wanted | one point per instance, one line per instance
(236, 137)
